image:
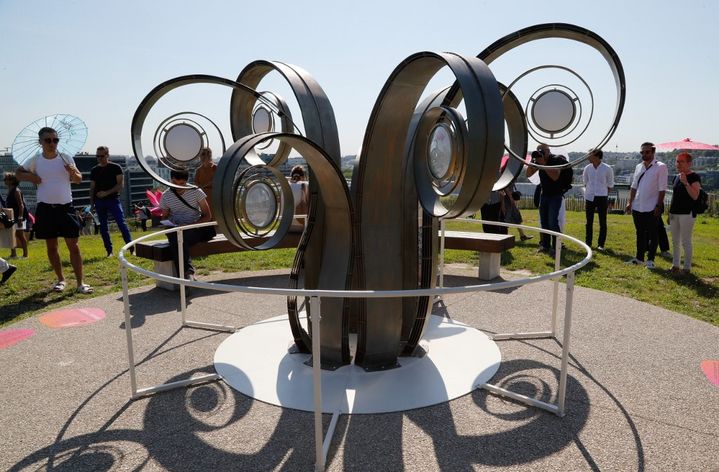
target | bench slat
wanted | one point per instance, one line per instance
(482, 242)
(160, 250)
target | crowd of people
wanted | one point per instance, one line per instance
(646, 203)
(53, 172)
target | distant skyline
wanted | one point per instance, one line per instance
(98, 60)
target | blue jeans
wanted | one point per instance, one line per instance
(190, 237)
(549, 206)
(112, 206)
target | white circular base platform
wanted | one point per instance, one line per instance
(256, 361)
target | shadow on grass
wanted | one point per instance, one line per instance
(691, 281)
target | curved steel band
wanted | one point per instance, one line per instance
(138, 120)
(574, 33)
(320, 126)
(170, 118)
(334, 265)
(386, 205)
(518, 138)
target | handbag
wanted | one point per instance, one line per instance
(5, 220)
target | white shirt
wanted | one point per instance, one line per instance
(55, 185)
(597, 181)
(653, 182)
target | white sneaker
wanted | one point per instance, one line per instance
(634, 261)
(650, 265)
(600, 248)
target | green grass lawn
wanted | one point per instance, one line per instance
(28, 291)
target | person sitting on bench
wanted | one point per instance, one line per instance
(186, 206)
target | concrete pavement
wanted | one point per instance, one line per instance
(637, 398)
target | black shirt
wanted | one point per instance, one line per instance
(551, 187)
(682, 203)
(105, 178)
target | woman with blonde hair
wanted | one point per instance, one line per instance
(686, 187)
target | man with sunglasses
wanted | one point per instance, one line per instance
(552, 194)
(106, 182)
(646, 204)
(55, 217)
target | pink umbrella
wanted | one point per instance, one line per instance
(505, 158)
(154, 199)
(687, 143)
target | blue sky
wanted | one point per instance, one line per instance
(98, 59)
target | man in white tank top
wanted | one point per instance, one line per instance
(55, 216)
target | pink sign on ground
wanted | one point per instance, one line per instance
(711, 370)
(72, 317)
(8, 337)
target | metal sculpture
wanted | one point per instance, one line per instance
(422, 160)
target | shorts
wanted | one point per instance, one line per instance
(56, 221)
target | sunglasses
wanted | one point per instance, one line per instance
(102, 155)
(51, 140)
(645, 152)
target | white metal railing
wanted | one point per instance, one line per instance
(315, 296)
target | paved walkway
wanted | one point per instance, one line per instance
(637, 398)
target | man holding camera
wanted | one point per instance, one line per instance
(550, 200)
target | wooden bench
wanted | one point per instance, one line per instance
(490, 247)
(159, 252)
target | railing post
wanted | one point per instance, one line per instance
(555, 289)
(441, 254)
(181, 274)
(128, 331)
(315, 313)
(565, 344)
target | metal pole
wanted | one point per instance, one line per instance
(555, 292)
(128, 331)
(315, 307)
(565, 343)
(441, 255)
(181, 275)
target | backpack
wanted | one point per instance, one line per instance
(566, 175)
(701, 204)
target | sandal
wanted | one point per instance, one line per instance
(59, 286)
(84, 289)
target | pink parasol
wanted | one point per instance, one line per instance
(686, 144)
(505, 158)
(154, 199)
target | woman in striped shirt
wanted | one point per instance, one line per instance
(185, 206)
